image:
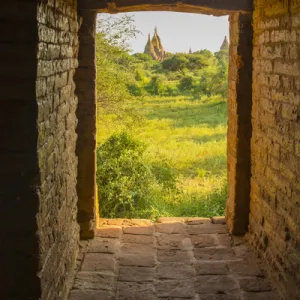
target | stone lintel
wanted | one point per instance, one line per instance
(213, 7)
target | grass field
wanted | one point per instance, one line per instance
(190, 135)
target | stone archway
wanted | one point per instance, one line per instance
(239, 101)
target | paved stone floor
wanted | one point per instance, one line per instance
(176, 258)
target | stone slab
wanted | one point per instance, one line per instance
(125, 222)
(220, 297)
(136, 274)
(176, 271)
(174, 241)
(109, 231)
(214, 253)
(206, 228)
(188, 220)
(138, 239)
(216, 284)
(172, 255)
(104, 245)
(135, 291)
(143, 230)
(139, 249)
(211, 268)
(94, 281)
(204, 240)
(218, 220)
(198, 221)
(90, 295)
(137, 260)
(170, 228)
(259, 296)
(224, 239)
(175, 288)
(103, 262)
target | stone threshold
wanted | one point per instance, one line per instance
(102, 222)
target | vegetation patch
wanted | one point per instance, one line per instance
(161, 131)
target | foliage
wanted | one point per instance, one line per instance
(175, 63)
(186, 83)
(205, 53)
(142, 56)
(186, 141)
(125, 180)
(114, 64)
(197, 74)
(157, 85)
(182, 170)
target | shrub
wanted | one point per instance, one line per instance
(186, 83)
(123, 178)
(127, 183)
(157, 85)
(137, 89)
(139, 75)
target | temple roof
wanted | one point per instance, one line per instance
(225, 44)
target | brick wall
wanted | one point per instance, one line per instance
(275, 188)
(55, 90)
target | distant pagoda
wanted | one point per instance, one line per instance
(154, 47)
(225, 44)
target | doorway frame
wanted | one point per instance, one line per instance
(239, 103)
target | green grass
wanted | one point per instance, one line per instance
(190, 135)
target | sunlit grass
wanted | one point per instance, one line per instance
(190, 135)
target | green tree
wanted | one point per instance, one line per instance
(222, 56)
(197, 62)
(175, 63)
(115, 67)
(205, 53)
(142, 57)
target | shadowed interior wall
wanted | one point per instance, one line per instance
(275, 164)
(19, 171)
(239, 122)
(38, 229)
(38, 214)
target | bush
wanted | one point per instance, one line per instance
(139, 75)
(127, 184)
(137, 89)
(171, 91)
(186, 84)
(157, 85)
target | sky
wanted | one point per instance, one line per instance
(180, 31)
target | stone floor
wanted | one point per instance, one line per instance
(176, 258)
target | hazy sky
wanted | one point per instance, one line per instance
(179, 31)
